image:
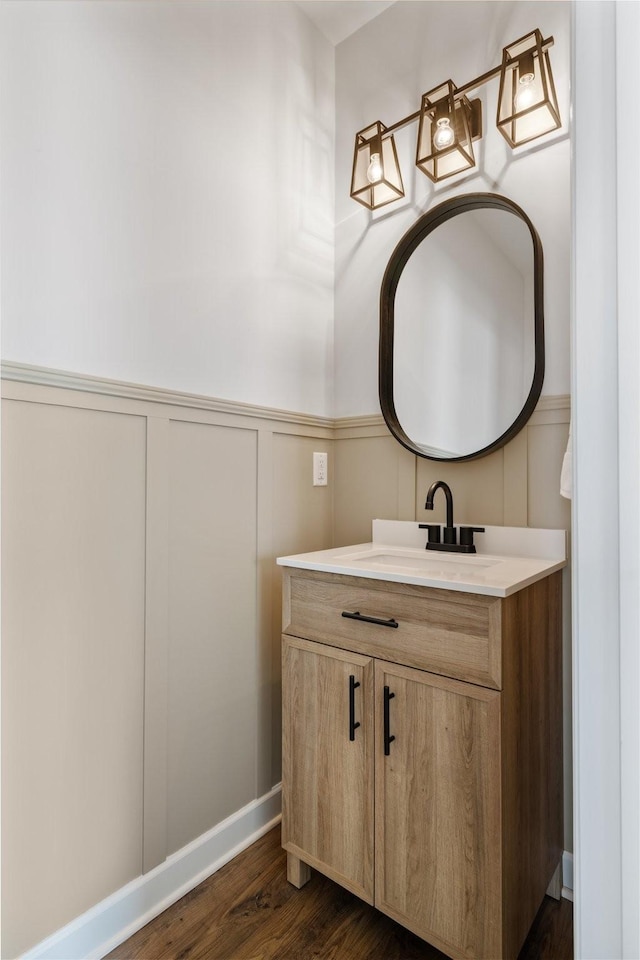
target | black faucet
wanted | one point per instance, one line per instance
(449, 530)
(449, 534)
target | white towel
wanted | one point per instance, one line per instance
(566, 474)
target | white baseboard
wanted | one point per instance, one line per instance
(102, 928)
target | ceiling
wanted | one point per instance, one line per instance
(338, 19)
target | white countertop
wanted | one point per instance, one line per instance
(507, 558)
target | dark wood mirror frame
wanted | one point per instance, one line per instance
(426, 224)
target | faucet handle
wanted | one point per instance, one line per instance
(433, 532)
(466, 537)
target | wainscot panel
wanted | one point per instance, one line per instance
(73, 535)
(141, 661)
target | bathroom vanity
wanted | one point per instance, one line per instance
(422, 730)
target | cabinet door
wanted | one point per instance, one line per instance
(438, 823)
(327, 777)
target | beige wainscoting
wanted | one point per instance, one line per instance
(140, 626)
(518, 485)
(141, 608)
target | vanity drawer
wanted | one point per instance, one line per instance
(453, 634)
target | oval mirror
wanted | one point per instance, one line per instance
(462, 329)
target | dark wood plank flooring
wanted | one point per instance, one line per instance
(248, 911)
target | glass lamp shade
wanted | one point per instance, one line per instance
(527, 101)
(445, 133)
(376, 177)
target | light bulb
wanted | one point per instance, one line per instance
(374, 170)
(444, 136)
(526, 94)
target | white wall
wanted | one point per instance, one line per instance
(381, 73)
(167, 196)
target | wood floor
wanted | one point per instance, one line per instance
(248, 911)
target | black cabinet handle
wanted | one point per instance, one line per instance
(360, 616)
(353, 726)
(388, 740)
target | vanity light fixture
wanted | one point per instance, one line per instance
(527, 102)
(446, 130)
(449, 123)
(376, 177)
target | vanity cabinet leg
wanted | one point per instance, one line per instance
(298, 873)
(555, 887)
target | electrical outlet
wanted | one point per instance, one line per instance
(320, 469)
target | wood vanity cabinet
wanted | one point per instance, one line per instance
(422, 761)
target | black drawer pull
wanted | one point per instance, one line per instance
(360, 616)
(388, 739)
(353, 726)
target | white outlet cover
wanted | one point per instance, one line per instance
(320, 463)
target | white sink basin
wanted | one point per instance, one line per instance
(435, 563)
